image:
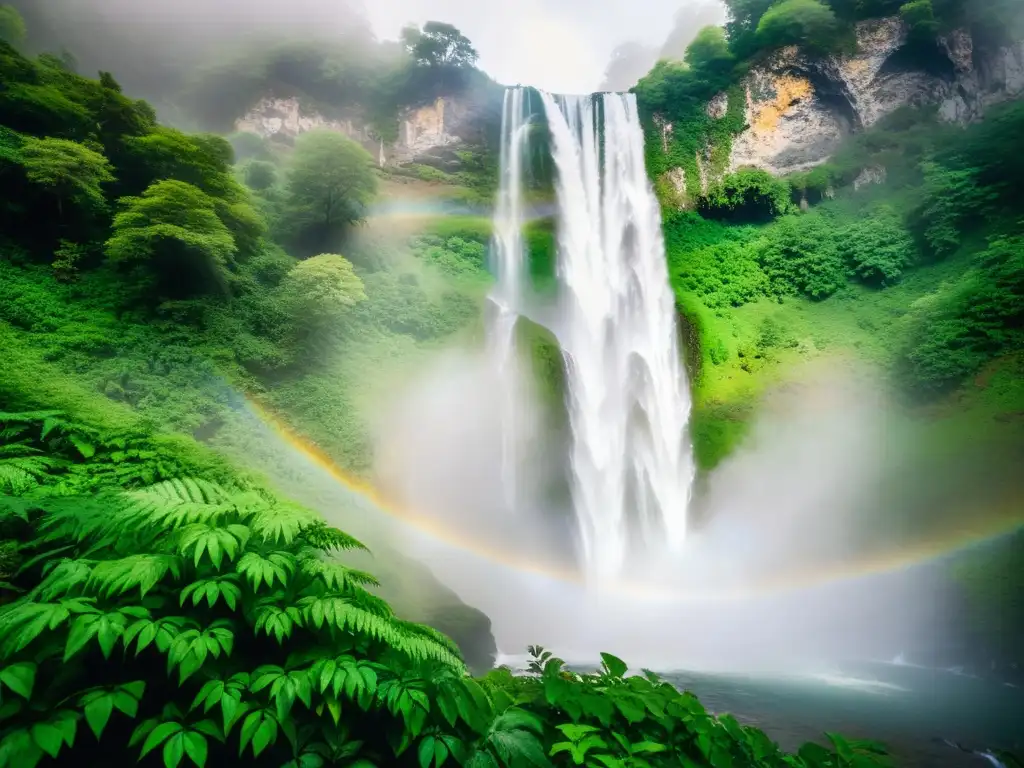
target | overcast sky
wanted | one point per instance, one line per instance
(558, 45)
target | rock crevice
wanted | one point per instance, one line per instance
(799, 108)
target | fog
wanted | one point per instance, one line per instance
(560, 46)
(755, 588)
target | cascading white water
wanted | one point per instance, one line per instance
(505, 300)
(627, 398)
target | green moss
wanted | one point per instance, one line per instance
(476, 228)
(542, 253)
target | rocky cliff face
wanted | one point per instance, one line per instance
(799, 108)
(421, 130)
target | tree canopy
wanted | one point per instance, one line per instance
(66, 169)
(798, 22)
(439, 45)
(709, 50)
(321, 289)
(173, 230)
(330, 182)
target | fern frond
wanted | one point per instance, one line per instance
(275, 621)
(414, 641)
(282, 523)
(212, 590)
(20, 473)
(80, 517)
(370, 602)
(338, 612)
(181, 501)
(145, 571)
(63, 579)
(12, 431)
(325, 538)
(25, 620)
(336, 576)
(18, 449)
(213, 541)
(260, 569)
(27, 417)
(431, 635)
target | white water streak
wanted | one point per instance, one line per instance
(506, 297)
(628, 399)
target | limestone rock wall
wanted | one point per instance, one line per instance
(421, 130)
(799, 108)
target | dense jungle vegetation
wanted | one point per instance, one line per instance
(919, 271)
(159, 601)
(161, 604)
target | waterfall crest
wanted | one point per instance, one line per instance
(628, 402)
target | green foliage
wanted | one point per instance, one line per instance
(709, 50)
(321, 290)
(919, 16)
(330, 182)
(878, 246)
(800, 255)
(680, 132)
(748, 195)
(260, 175)
(12, 26)
(439, 45)
(608, 719)
(809, 23)
(213, 622)
(172, 231)
(399, 303)
(957, 331)
(453, 256)
(952, 198)
(69, 171)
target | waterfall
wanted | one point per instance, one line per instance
(628, 402)
(505, 300)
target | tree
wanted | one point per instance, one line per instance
(440, 45)
(330, 181)
(709, 50)
(744, 16)
(919, 16)
(322, 289)
(260, 175)
(68, 170)
(173, 231)
(12, 26)
(798, 22)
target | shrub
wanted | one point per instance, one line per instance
(749, 194)
(952, 201)
(961, 328)
(798, 22)
(321, 290)
(877, 246)
(800, 255)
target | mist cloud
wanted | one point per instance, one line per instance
(560, 46)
